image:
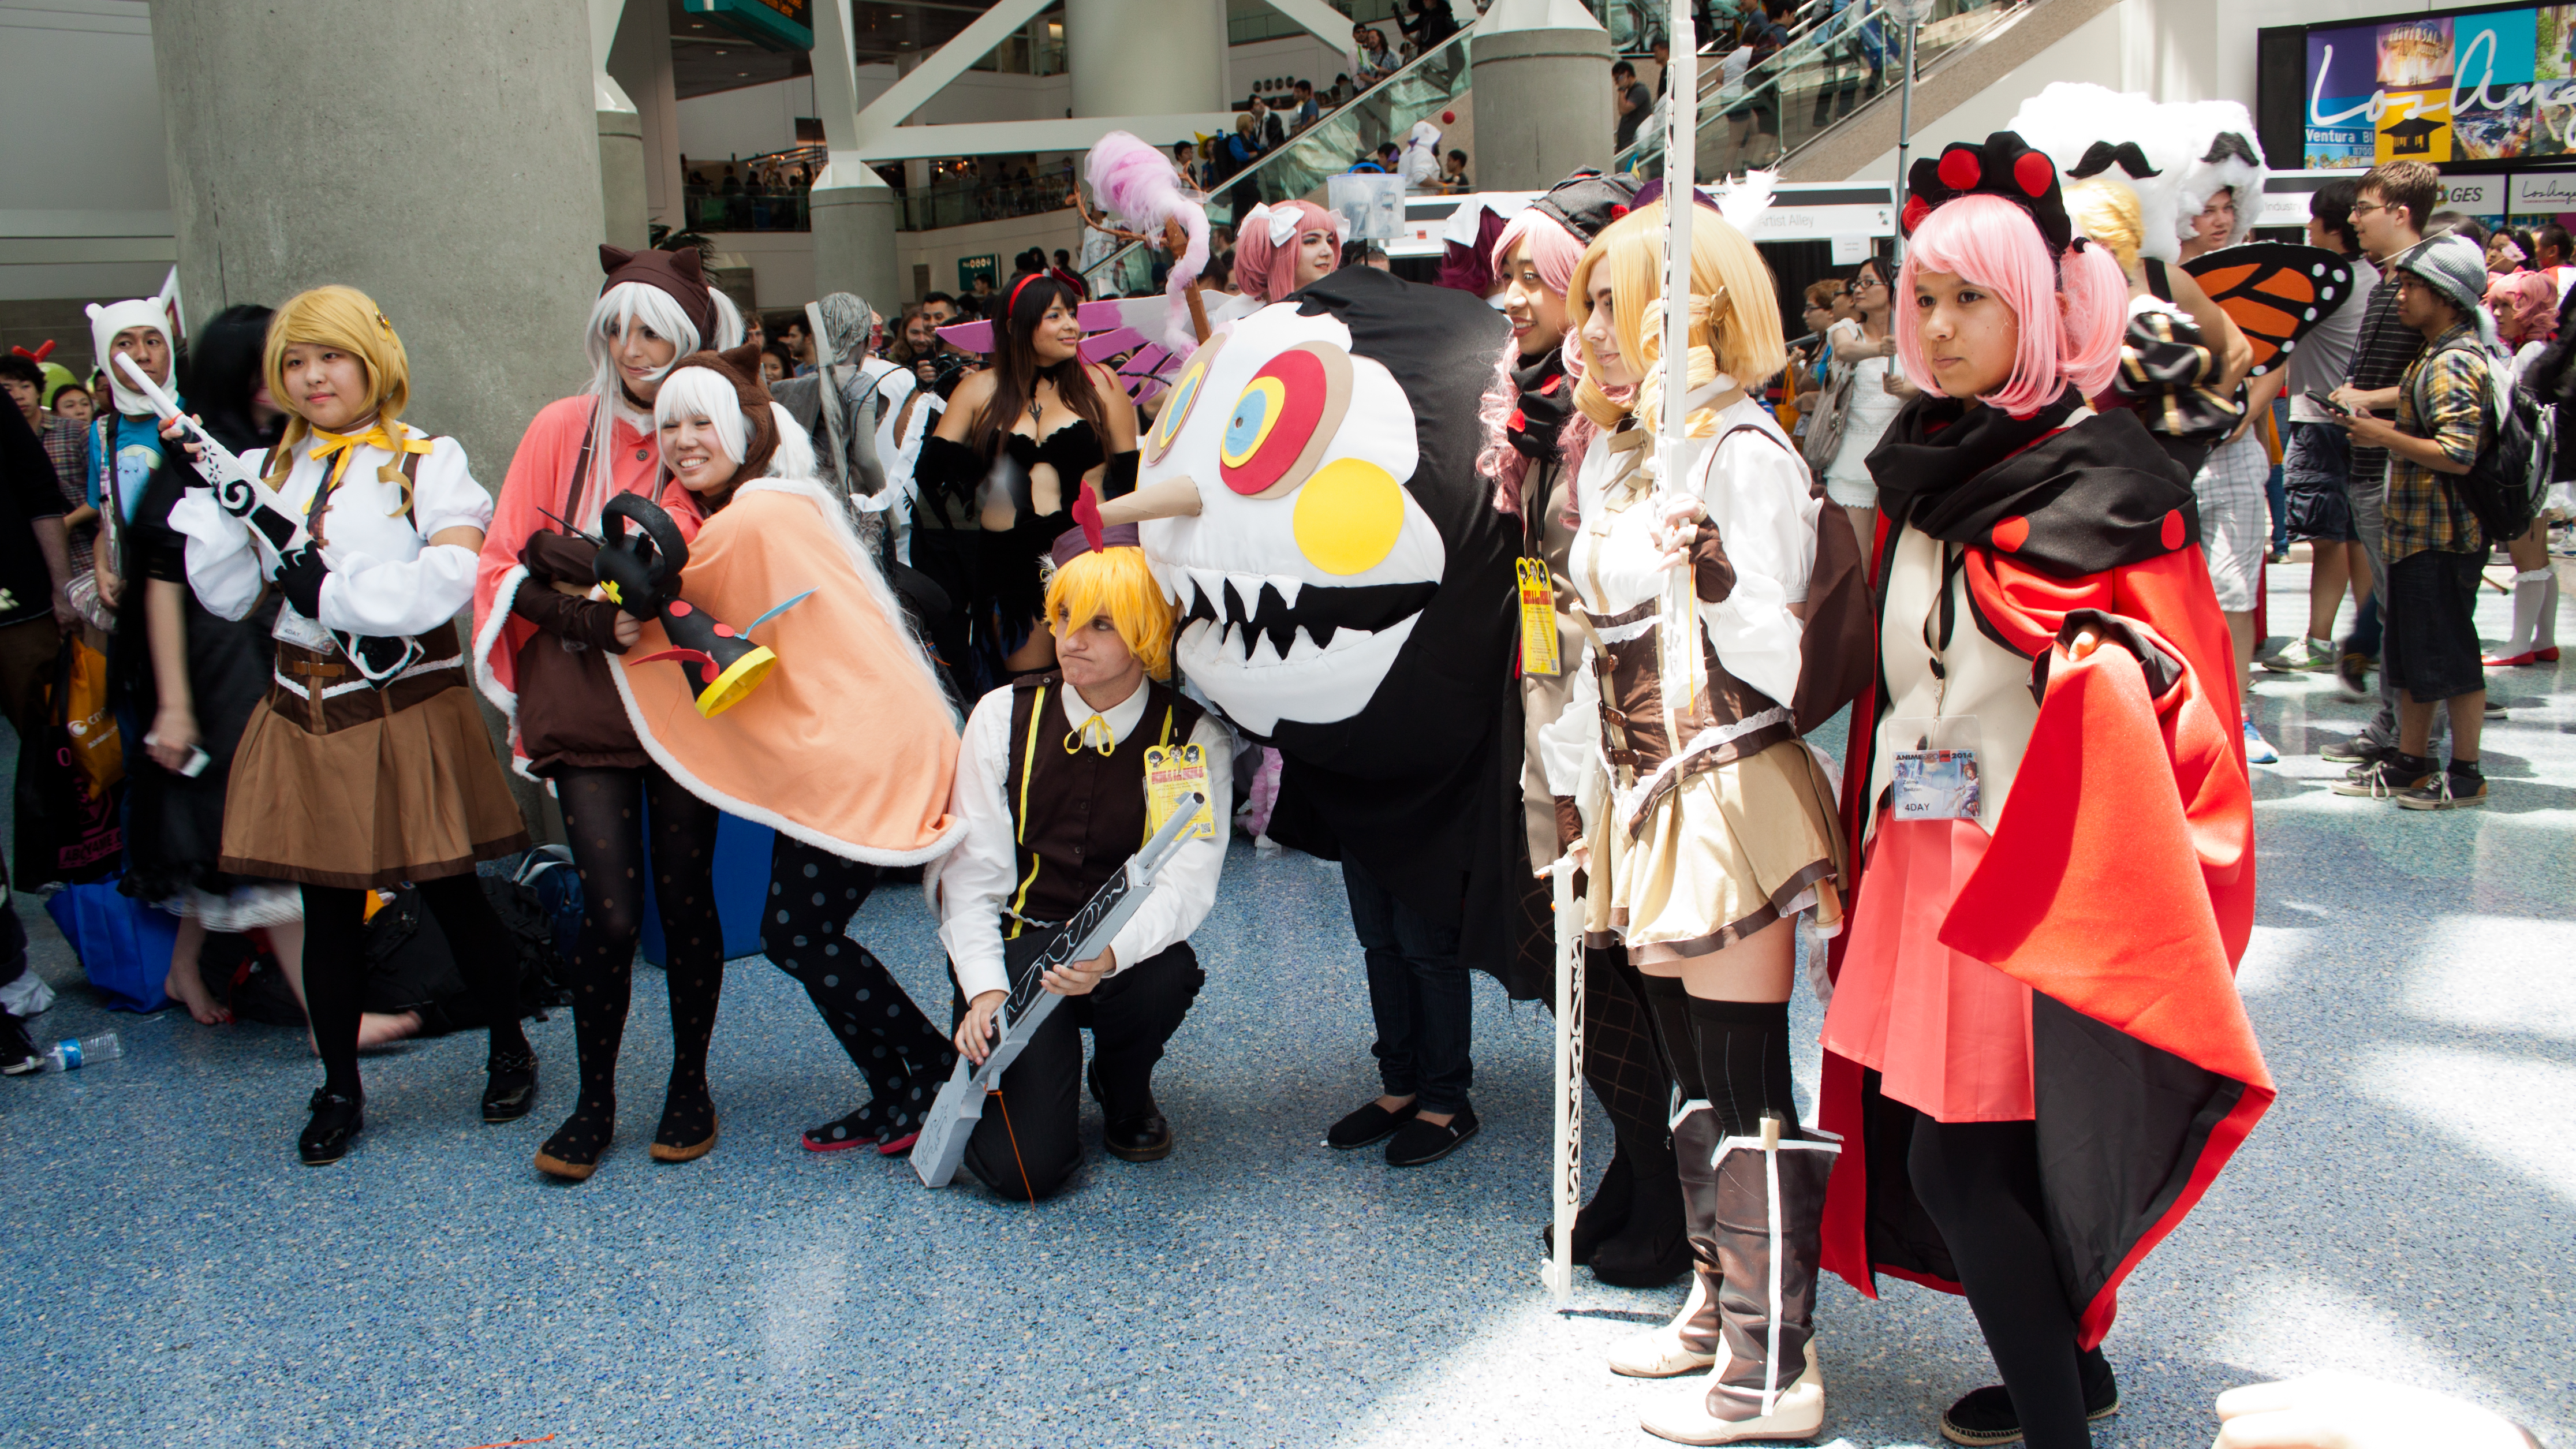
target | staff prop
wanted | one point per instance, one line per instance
(1565, 1186)
(960, 1103)
(640, 573)
(273, 522)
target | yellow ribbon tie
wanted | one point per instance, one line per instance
(341, 447)
(1107, 743)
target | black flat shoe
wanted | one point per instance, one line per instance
(1370, 1124)
(1419, 1142)
(1140, 1137)
(1986, 1416)
(337, 1120)
(512, 1090)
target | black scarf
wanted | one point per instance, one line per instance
(2094, 496)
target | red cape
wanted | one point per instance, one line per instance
(2120, 887)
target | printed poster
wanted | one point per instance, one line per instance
(2343, 85)
(2493, 62)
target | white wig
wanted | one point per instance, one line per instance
(702, 392)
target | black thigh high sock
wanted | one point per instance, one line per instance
(1744, 1062)
(599, 809)
(487, 955)
(1669, 1005)
(683, 851)
(812, 895)
(335, 977)
(1980, 1183)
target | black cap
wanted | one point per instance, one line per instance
(1585, 203)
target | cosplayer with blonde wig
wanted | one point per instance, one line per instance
(845, 749)
(1116, 584)
(2018, 981)
(1705, 822)
(350, 779)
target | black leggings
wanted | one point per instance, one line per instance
(603, 818)
(1980, 1183)
(335, 968)
(812, 895)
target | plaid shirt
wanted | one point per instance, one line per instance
(2424, 509)
(68, 446)
(2382, 353)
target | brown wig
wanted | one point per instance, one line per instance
(1017, 372)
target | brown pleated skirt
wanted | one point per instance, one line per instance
(394, 785)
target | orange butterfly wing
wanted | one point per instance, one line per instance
(2275, 293)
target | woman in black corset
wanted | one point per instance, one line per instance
(1016, 444)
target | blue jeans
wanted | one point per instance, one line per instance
(1417, 992)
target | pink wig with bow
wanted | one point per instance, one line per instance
(1555, 251)
(1266, 269)
(2072, 312)
(1138, 185)
(2525, 305)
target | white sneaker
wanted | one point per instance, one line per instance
(2258, 750)
(1681, 1414)
(1661, 1354)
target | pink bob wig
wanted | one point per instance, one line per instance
(2083, 302)
(1269, 272)
(1555, 251)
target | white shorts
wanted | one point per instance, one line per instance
(2235, 521)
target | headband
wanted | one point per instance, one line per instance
(2003, 167)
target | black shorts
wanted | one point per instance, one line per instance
(2314, 465)
(2430, 647)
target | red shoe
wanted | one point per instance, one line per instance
(2546, 656)
(2512, 661)
(894, 1145)
(862, 1128)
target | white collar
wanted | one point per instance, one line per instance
(1119, 719)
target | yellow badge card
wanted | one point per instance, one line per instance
(1538, 618)
(1172, 771)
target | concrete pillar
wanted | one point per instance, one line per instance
(1542, 90)
(1145, 57)
(855, 217)
(304, 151)
(640, 63)
(623, 208)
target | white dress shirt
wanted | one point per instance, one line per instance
(969, 886)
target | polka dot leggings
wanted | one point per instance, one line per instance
(812, 895)
(603, 815)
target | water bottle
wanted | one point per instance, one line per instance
(73, 1053)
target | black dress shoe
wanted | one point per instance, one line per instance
(1371, 1123)
(1419, 1142)
(18, 1054)
(1986, 1416)
(1138, 1137)
(513, 1086)
(336, 1121)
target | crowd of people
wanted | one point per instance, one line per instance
(943, 595)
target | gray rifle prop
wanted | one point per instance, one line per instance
(239, 492)
(961, 1102)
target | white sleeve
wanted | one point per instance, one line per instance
(968, 885)
(1187, 887)
(1568, 744)
(1756, 494)
(225, 568)
(367, 595)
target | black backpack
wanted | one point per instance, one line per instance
(2509, 480)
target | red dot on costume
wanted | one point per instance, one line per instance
(2011, 533)
(1959, 169)
(1552, 384)
(1915, 210)
(2034, 171)
(679, 608)
(724, 631)
(1618, 209)
(1517, 422)
(2172, 531)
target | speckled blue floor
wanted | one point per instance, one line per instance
(175, 1278)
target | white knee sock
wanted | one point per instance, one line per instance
(2532, 592)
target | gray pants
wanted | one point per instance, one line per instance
(2369, 504)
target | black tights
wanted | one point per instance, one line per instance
(335, 968)
(602, 816)
(1980, 1183)
(812, 895)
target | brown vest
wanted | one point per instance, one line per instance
(1077, 814)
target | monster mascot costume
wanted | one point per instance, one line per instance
(1309, 494)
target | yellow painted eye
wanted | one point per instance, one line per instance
(1178, 403)
(1348, 516)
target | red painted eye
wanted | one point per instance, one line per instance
(1284, 419)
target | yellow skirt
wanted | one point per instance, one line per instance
(1722, 856)
(413, 794)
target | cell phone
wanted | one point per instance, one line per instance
(2329, 404)
(198, 759)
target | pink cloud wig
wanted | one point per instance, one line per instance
(1555, 250)
(1137, 184)
(2084, 303)
(1268, 272)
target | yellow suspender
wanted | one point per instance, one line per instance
(1020, 827)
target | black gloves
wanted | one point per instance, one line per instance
(299, 578)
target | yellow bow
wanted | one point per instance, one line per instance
(341, 447)
(1107, 743)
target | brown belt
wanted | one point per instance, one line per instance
(323, 714)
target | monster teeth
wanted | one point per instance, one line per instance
(1288, 589)
(1303, 646)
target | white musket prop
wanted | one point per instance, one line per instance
(960, 1103)
(276, 525)
(1565, 1187)
(1679, 624)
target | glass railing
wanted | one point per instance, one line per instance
(1755, 110)
(776, 203)
(975, 198)
(1384, 112)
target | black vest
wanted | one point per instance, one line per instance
(1077, 814)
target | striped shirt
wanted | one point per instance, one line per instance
(2381, 355)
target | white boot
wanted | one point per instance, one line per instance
(1682, 1414)
(1667, 1351)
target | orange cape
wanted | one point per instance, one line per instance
(848, 745)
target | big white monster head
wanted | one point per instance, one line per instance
(1308, 499)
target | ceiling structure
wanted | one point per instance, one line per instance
(706, 57)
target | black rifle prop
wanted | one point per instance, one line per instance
(640, 573)
(960, 1103)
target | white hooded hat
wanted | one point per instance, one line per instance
(2069, 119)
(107, 321)
(2224, 152)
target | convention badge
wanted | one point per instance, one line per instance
(1538, 618)
(1172, 771)
(1936, 769)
